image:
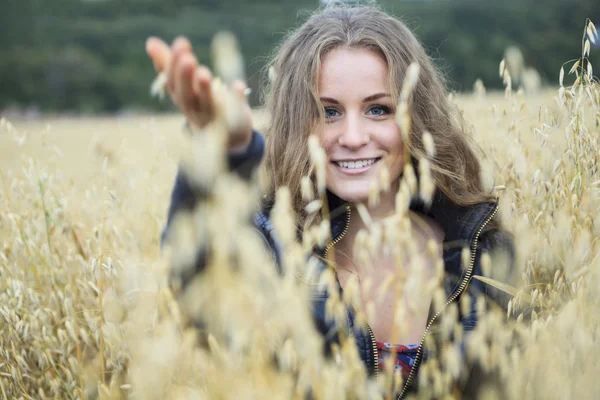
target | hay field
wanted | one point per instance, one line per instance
(83, 202)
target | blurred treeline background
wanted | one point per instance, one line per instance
(88, 56)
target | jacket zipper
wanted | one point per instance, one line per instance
(375, 352)
(371, 334)
(337, 239)
(463, 285)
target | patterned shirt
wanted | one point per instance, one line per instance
(405, 356)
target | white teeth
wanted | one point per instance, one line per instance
(355, 164)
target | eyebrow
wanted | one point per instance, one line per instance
(372, 97)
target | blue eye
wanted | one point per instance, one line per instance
(379, 111)
(331, 113)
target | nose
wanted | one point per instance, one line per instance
(354, 134)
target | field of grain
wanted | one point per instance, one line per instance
(84, 307)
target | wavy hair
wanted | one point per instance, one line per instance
(295, 111)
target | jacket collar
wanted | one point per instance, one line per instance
(459, 223)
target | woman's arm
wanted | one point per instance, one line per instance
(206, 103)
(243, 163)
(191, 87)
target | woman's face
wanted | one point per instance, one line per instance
(360, 135)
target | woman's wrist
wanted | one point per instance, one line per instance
(240, 145)
(237, 144)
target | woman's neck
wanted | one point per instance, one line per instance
(376, 213)
(384, 208)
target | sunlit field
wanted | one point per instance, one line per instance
(85, 309)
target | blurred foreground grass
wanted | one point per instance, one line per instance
(83, 202)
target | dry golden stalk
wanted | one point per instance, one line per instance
(50, 335)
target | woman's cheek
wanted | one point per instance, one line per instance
(327, 137)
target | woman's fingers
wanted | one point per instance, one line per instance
(202, 82)
(202, 86)
(184, 74)
(179, 47)
(159, 52)
(181, 43)
(172, 70)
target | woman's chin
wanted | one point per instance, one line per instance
(351, 195)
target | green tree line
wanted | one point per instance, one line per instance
(88, 56)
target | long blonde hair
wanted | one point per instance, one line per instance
(295, 111)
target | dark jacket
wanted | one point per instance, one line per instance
(470, 227)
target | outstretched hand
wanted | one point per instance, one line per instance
(190, 86)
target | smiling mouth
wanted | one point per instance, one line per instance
(356, 165)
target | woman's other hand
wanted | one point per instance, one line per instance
(191, 88)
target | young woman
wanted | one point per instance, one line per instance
(339, 76)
